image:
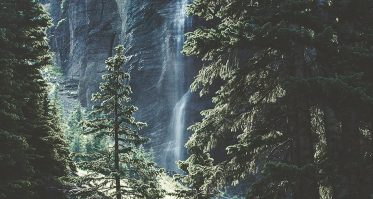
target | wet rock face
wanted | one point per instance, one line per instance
(84, 35)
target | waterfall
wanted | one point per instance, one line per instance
(177, 128)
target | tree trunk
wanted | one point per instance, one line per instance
(303, 151)
(350, 140)
(332, 137)
(116, 150)
(343, 154)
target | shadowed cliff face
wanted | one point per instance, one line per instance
(84, 35)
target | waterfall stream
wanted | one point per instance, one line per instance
(177, 128)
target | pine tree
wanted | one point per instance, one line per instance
(15, 168)
(119, 168)
(31, 165)
(276, 64)
(251, 111)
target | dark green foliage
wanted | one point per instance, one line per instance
(277, 64)
(120, 167)
(16, 170)
(33, 153)
(52, 157)
(201, 181)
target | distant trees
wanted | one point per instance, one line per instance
(201, 177)
(294, 104)
(75, 131)
(120, 167)
(33, 153)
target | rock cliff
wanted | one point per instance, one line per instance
(84, 35)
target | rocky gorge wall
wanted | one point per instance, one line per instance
(84, 35)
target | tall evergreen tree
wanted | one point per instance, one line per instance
(15, 166)
(277, 63)
(120, 168)
(36, 157)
